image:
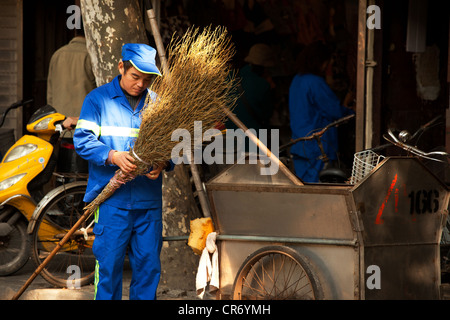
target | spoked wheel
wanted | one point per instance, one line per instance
(74, 261)
(276, 273)
(445, 250)
(14, 242)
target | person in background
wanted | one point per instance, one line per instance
(312, 106)
(70, 78)
(255, 104)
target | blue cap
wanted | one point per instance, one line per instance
(141, 56)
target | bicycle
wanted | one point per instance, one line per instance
(403, 140)
(330, 173)
(62, 207)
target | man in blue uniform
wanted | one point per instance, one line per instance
(312, 106)
(132, 217)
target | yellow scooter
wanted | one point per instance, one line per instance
(25, 168)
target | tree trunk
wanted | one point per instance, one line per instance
(179, 263)
(108, 25)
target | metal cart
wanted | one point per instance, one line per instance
(375, 239)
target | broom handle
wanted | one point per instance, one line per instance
(51, 255)
(263, 148)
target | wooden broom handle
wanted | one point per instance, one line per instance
(263, 148)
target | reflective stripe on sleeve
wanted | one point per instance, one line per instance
(120, 131)
(107, 130)
(89, 125)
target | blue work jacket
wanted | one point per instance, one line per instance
(313, 105)
(108, 122)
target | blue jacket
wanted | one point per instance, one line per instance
(313, 105)
(108, 122)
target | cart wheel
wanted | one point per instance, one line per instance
(276, 273)
(445, 250)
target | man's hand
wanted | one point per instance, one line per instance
(124, 161)
(154, 174)
(70, 123)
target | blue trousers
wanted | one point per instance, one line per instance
(139, 231)
(307, 170)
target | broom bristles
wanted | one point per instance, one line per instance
(198, 86)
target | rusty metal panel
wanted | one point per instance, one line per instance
(244, 202)
(405, 272)
(284, 213)
(401, 202)
(402, 206)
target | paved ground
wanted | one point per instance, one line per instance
(40, 289)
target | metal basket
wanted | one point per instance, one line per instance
(363, 163)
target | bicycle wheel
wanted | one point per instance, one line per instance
(74, 264)
(445, 249)
(14, 246)
(276, 273)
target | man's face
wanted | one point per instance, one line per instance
(133, 81)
